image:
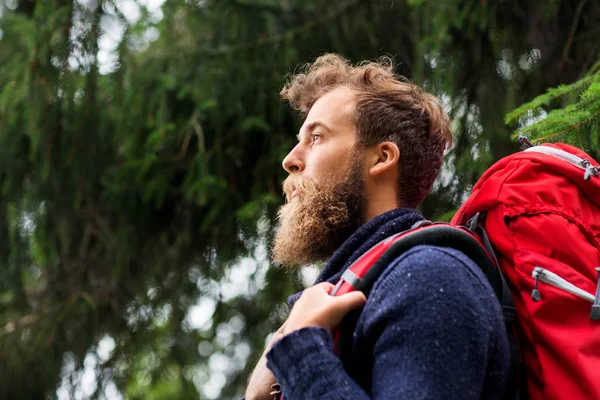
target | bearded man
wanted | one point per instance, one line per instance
(369, 151)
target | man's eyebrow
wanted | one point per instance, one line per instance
(312, 126)
(315, 124)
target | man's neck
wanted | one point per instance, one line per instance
(381, 198)
(380, 205)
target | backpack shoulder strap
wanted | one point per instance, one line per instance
(438, 234)
(365, 271)
(363, 274)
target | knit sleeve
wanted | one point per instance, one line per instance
(432, 323)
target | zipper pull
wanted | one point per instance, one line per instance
(525, 143)
(535, 293)
(595, 313)
(590, 170)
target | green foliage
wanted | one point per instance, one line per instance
(141, 165)
(576, 123)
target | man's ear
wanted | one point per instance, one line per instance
(383, 157)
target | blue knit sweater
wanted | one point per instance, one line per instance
(431, 329)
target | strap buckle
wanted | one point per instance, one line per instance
(475, 221)
(348, 276)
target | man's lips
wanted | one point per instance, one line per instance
(295, 193)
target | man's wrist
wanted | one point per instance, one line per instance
(261, 379)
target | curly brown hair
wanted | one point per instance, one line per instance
(388, 108)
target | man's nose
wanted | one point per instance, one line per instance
(294, 161)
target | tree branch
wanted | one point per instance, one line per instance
(574, 25)
(275, 39)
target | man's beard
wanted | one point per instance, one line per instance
(315, 224)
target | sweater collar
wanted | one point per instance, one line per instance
(365, 237)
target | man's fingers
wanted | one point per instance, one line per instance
(350, 301)
(317, 308)
(326, 286)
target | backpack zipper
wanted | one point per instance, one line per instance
(541, 274)
(550, 278)
(581, 163)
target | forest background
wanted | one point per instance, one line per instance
(140, 165)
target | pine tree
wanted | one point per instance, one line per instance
(576, 121)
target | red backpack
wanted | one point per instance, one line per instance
(536, 215)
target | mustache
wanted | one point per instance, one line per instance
(293, 182)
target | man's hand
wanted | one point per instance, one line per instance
(314, 308)
(262, 378)
(317, 308)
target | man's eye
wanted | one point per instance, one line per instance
(315, 137)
